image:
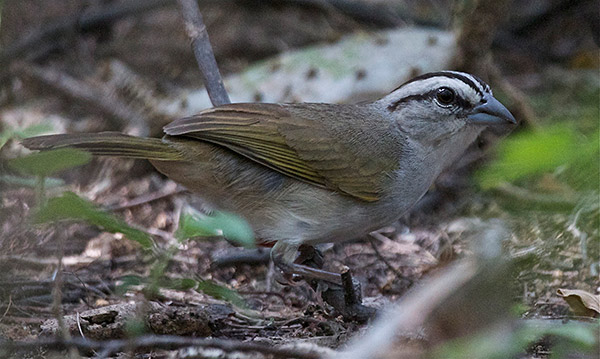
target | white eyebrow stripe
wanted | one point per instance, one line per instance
(421, 87)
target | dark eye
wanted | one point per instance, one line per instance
(445, 96)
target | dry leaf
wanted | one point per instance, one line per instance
(581, 302)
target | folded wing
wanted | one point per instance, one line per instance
(296, 141)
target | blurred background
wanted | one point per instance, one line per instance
(109, 65)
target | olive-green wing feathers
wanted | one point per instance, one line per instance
(354, 158)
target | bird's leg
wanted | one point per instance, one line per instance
(342, 292)
(310, 256)
(284, 257)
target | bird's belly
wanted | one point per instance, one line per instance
(279, 208)
(318, 220)
(304, 214)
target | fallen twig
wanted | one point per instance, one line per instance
(147, 198)
(166, 342)
(7, 308)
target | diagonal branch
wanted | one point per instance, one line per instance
(196, 30)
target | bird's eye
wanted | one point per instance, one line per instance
(445, 96)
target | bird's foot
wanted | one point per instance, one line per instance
(346, 299)
(340, 291)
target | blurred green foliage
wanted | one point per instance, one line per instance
(503, 342)
(546, 181)
(126, 282)
(153, 284)
(192, 223)
(44, 164)
(31, 182)
(215, 290)
(558, 149)
(69, 206)
(50, 162)
(207, 287)
(135, 326)
(29, 165)
(566, 147)
(16, 134)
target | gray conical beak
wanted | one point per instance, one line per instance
(491, 112)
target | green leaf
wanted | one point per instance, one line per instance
(195, 224)
(579, 334)
(134, 327)
(532, 153)
(5, 136)
(127, 282)
(32, 130)
(71, 206)
(499, 342)
(50, 162)
(179, 283)
(31, 182)
(186, 283)
(215, 290)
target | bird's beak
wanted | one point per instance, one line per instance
(491, 112)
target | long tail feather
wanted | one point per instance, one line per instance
(108, 144)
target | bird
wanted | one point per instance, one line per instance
(310, 173)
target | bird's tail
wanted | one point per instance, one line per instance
(108, 144)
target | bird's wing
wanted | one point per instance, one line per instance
(296, 141)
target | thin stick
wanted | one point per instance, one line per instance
(40, 191)
(57, 294)
(10, 305)
(196, 30)
(168, 342)
(381, 237)
(147, 198)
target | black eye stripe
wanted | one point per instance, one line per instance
(463, 104)
(401, 102)
(460, 102)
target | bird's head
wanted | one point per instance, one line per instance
(433, 107)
